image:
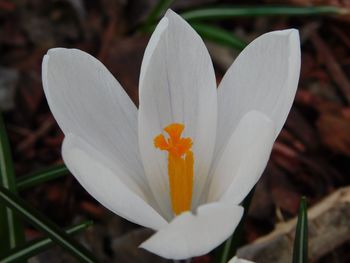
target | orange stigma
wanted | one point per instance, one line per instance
(180, 166)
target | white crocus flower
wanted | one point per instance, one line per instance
(239, 260)
(188, 187)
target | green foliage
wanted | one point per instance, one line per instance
(300, 250)
(11, 228)
(39, 245)
(159, 8)
(42, 176)
(225, 38)
(219, 36)
(220, 13)
(46, 225)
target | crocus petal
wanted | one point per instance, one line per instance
(177, 84)
(264, 77)
(243, 160)
(98, 176)
(239, 260)
(88, 101)
(190, 235)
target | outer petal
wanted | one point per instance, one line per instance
(98, 176)
(190, 235)
(239, 260)
(243, 160)
(177, 84)
(88, 101)
(264, 77)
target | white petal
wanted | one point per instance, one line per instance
(239, 260)
(243, 160)
(264, 77)
(190, 235)
(99, 177)
(177, 85)
(88, 101)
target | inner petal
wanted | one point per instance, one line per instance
(180, 166)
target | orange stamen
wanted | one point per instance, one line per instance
(180, 166)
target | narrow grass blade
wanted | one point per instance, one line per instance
(212, 33)
(232, 12)
(11, 228)
(228, 249)
(219, 36)
(160, 7)
(42, 176)
(300, 250)
(37, 246)
(46, 225)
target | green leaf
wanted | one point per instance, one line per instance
(229, 248)
(300, 249)
(212, 33)
(42, 176)
(232, 12)
(219, 36)
(39, 245)
(11, 228)
(46, 225)
(156, 12)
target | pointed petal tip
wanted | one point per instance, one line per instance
(173, 16)
(170, 13)
(54, 50)
(44, 69)
(63, 51)
(291, 33)
(286, 32)
(45, 64)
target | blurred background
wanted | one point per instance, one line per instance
(311, 157)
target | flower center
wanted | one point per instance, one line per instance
(180, 166)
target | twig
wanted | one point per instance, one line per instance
(33, 137)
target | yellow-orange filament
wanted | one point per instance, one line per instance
(180, 166)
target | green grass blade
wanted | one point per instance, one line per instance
(211, 33)
(156, 12)
(219, 36)
(37, 246)
(229, 248)
(46, 225)
(232, 12)
(11, 228)
(42, 176)
(300, 250)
